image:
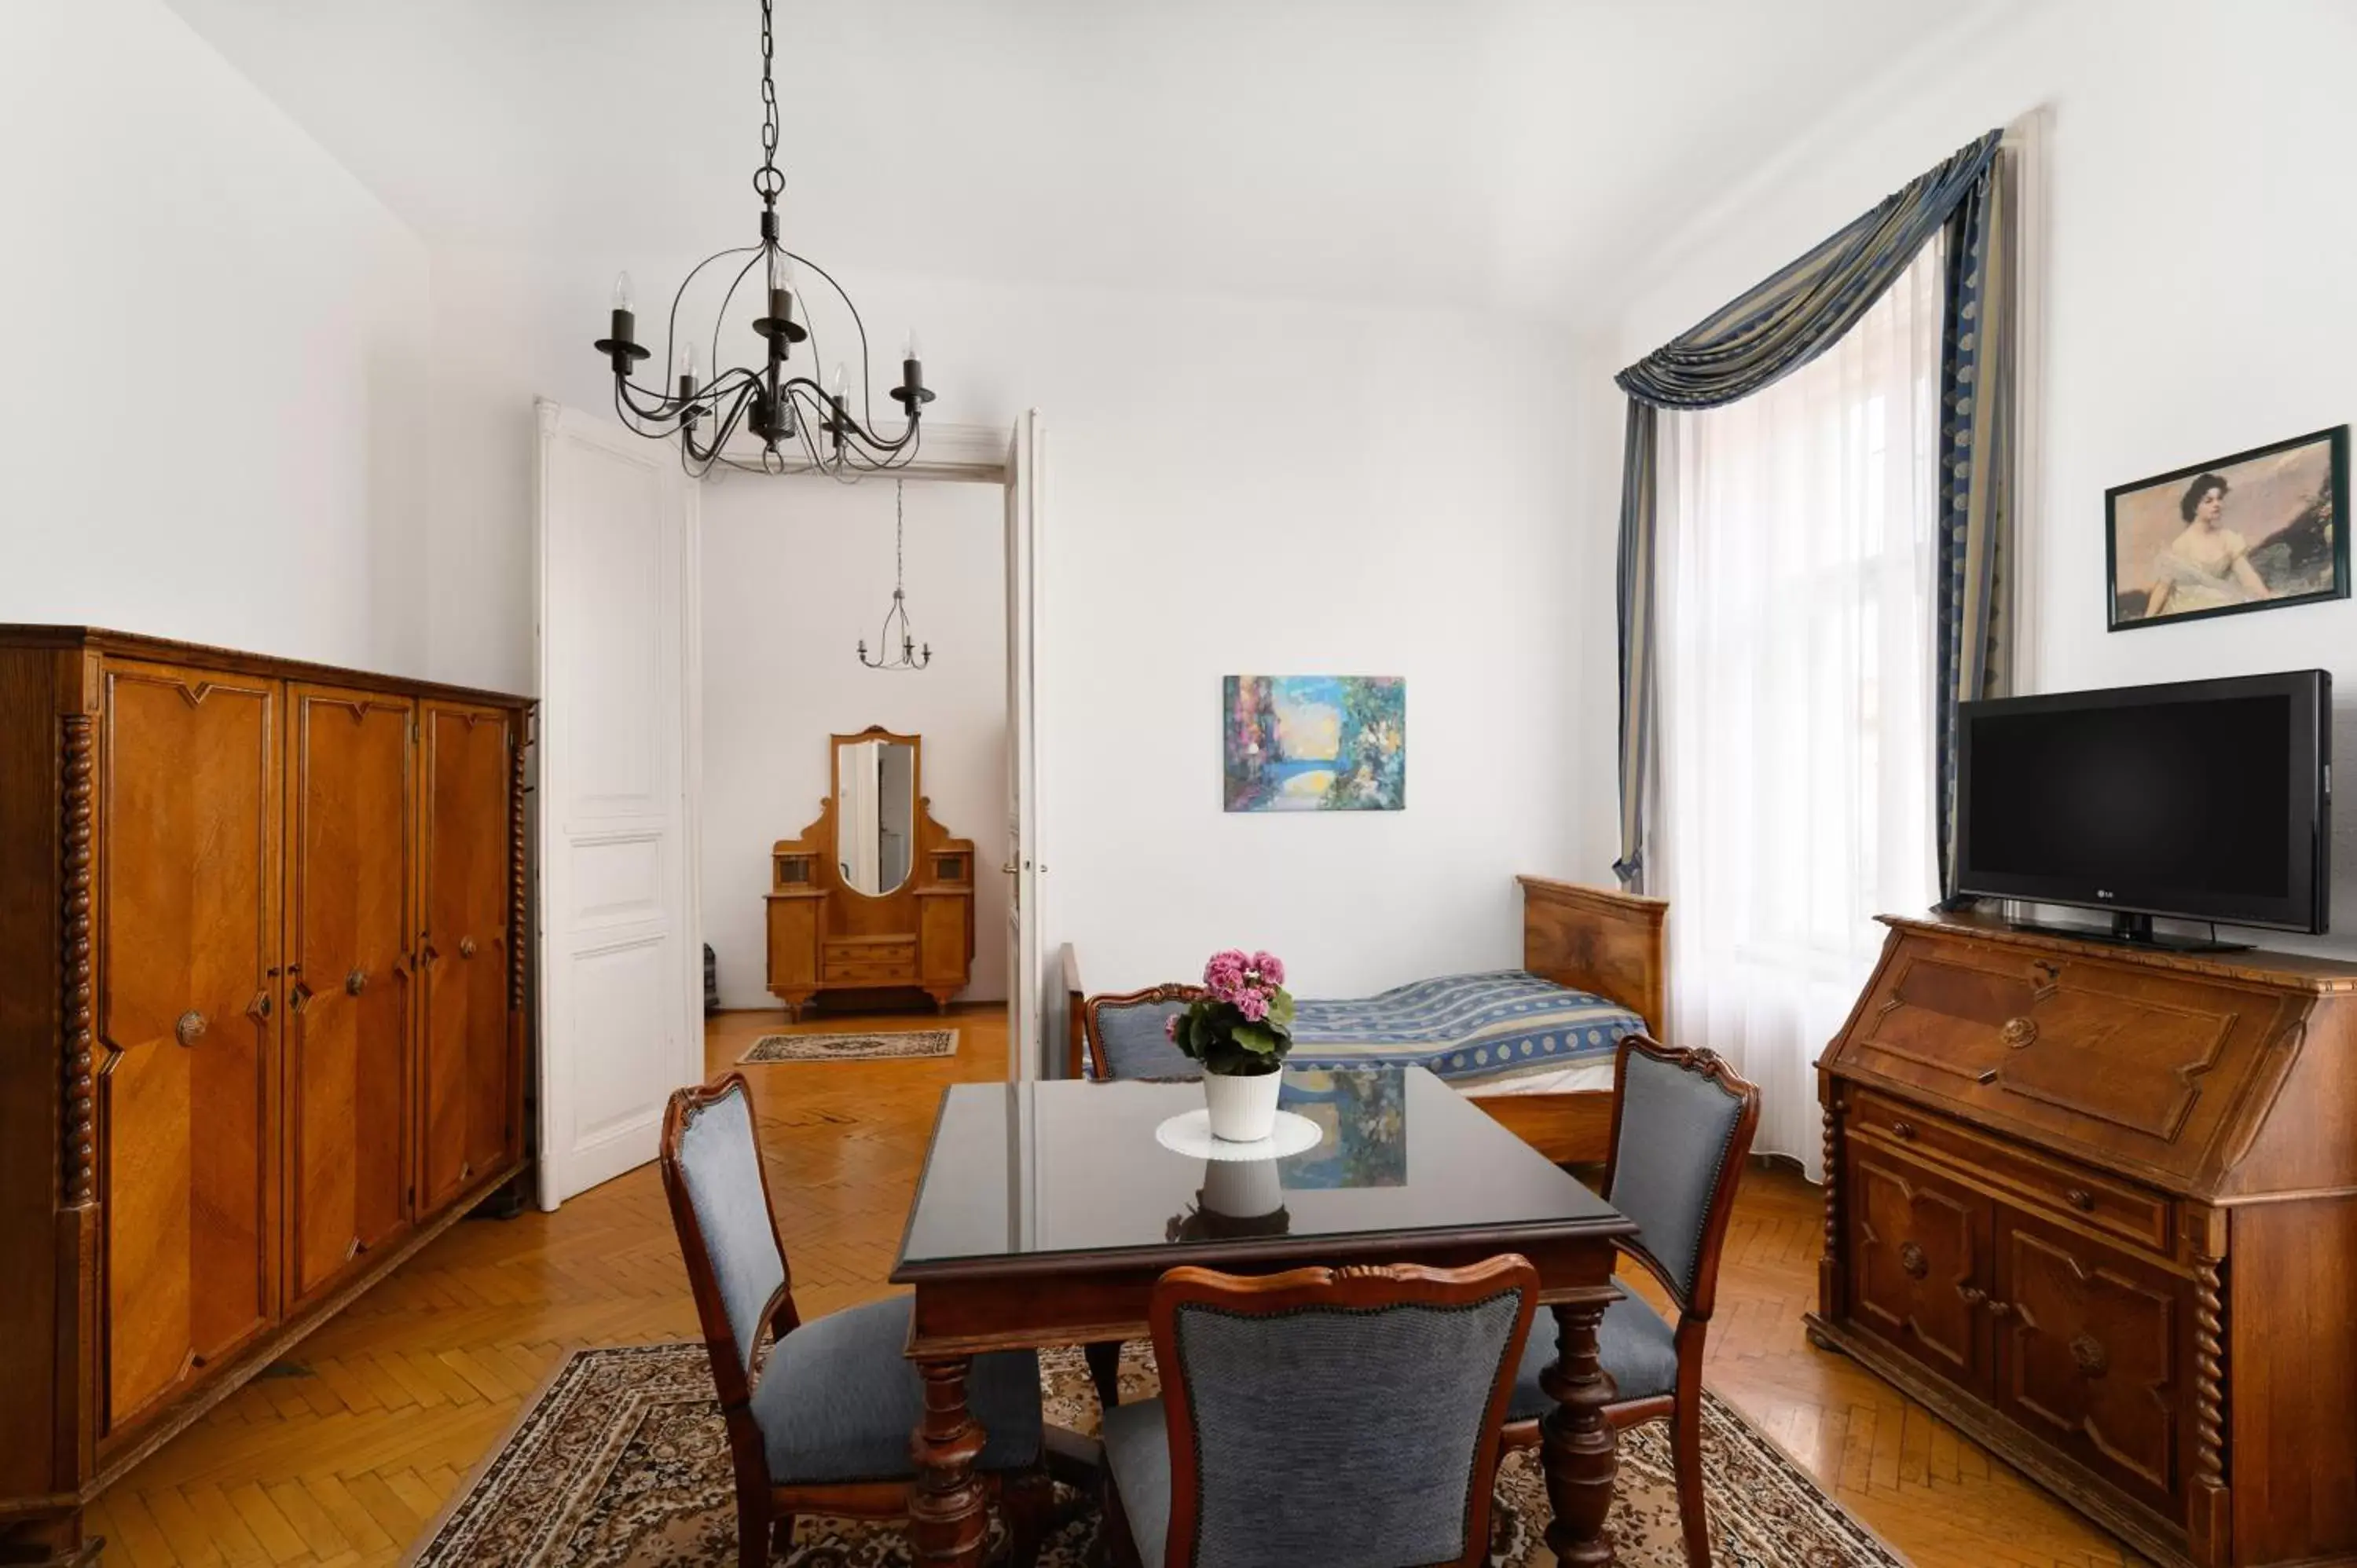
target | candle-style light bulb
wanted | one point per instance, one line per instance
(626, 295)
(840, 385)
(911, 348)
(688, 364)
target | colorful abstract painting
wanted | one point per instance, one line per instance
(1316, 743)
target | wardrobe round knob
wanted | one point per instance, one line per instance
(2019, 1032)
(465, 947)
(190, 1028)
(356, 981)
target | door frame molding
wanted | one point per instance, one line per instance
(950, 453)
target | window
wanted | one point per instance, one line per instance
(1795, 630)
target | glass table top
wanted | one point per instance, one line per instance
(1024, 1170)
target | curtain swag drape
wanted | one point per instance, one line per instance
(1782, 325)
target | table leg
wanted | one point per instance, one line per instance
(947, 1515)
(1578, 1450)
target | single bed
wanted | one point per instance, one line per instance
(1532, 1047)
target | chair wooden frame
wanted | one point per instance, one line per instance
(1359, 1287)
(1683, 1404)
(765, 1510)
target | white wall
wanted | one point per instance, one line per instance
(211, 420)
(2199, 294)
(1234, 487)
(796, 571)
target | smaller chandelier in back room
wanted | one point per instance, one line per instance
(908, 658)
(781, 411)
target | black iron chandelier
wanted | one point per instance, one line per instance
(780, 410)
(908, 657)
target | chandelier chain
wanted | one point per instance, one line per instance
(767, 180)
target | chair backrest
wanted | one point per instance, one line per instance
(1681, 1126)
(1126, 1039)
(719, 1194)
(1338, 1416)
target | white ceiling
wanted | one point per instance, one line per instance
(1528, 156)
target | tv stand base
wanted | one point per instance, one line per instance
(2132, 931)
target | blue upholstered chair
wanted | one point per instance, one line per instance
(1681, 1126)
(1345, 1418)
(1122, 1037)
(825, 1427)
(1123, 1034)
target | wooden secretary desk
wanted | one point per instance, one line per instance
(2097, 1206)
(262, 1025)
(875, 895)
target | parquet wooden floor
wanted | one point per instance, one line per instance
(344, 1452)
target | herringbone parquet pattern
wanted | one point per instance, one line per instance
(343, 1454)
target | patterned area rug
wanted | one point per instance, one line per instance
(864, 1047)
(622, 1461)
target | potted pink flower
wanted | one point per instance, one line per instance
(1240, 1029)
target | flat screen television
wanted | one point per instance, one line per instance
(2198, 801)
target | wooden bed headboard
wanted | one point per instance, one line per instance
(1609, 943)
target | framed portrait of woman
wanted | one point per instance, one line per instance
(2254, 531)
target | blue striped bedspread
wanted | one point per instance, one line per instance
(1465, 1028)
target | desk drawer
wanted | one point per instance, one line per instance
(2130, 1212)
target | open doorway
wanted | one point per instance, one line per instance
(852, 819)
(620, 824)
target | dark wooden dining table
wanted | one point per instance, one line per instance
(1047, 1211)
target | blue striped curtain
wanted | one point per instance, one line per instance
(1782, 325)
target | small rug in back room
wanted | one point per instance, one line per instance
(622, 1461)
(865, 1047)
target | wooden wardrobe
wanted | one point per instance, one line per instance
(262, 1024)
(2097, 1207)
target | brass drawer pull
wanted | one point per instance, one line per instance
(1972, 1295)
(2081, 1200)
(2000, 1309)
(2019, 1032)
(190, 1028)
(1902, 1129)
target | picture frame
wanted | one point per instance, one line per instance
(1314, 743)
(2257, 530)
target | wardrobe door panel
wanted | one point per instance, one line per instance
(347, 1010)
(467, 1079)
(188, 939)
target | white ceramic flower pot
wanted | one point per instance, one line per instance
(1244, 1110)
(1242, 1189)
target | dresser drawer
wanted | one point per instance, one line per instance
(883, 962)
(2125, 1210)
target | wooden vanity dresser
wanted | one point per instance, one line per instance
(875, 897)
(2097, 1206)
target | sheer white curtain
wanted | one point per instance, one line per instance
(1795, 634)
